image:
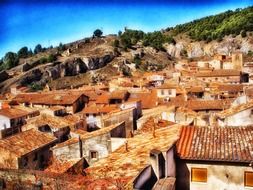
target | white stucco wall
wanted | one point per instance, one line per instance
(221, 177)
(242, 118)
(166, 93)
(4, 122)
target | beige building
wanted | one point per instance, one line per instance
(73, 101)
(26, 150)
(214, 158)
(12, 119)
(92, 146)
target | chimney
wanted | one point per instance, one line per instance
(126, 146)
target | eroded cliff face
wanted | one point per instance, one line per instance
(198, 49)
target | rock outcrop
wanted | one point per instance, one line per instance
(198, 49)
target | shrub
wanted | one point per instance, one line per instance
(10, 60)
(43, 60)
(38, 48)
(35, 87)
(97, 33)
(51, 58)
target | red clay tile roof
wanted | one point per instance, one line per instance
(167, 86)
(148, 99)
(228, 144)
(195, 89)
(44, 119)
(50, 98)
(218, 73)
(209, 104)
(118, 94)
(128, 164)
(231, 87)
(100, 109)
(13, 113)
(25, 142)
(103, 99)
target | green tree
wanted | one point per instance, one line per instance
(116, 43)
(1, 64)
(61, 47)
(35, 87)
(243, 34)
(38, 48)
(30, 52)
(10, 60)
(137, 62)
(97, 33)
(23, 52)
(51, 58)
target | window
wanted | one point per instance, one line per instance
(25, 161)
(199, 175)
(93, 154)
(35, 157)
(248, 179)
(162, 92)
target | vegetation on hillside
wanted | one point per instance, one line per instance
(154, 39)
(216, 27)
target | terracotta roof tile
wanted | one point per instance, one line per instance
(123, 164)
(218, 73)
(231, 87)
(13, 113)
(148, 99)
(49, 98)
(25, 142)
(216, 144)
(209, 104)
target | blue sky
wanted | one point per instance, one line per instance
(49, 22)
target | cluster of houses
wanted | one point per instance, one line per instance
(189, 127)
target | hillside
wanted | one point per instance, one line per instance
(131, 52)
(216, 27)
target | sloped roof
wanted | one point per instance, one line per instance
(25, 142)
(12, 113)
(228, 144)
(87, 135)
(148, 99)
(49, 98)
(218, 73)
(127, 165)
(209, 104)
(230, 87)
(235, 109)
(44, 119)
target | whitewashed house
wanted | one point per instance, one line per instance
(213, 158)
(240, 115)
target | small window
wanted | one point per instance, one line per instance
(35, 156)
(162, 92)
(199, 175)
(93, 154)
(25, 161)
(248, 179)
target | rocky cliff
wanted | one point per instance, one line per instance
(198, 49)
